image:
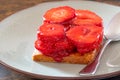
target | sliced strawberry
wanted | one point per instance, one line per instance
(44, 47)
(85, 37)
(51, 32)
(64, 45)
(59, 14)
(82, 22)
(86, 14)
(37, 44)
(57, 52)
(86, 17)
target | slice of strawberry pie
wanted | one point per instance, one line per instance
(68, 35)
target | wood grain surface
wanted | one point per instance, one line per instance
(9, 7)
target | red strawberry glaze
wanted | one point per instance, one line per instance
(66, 30)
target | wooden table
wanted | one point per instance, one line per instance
(8, 7)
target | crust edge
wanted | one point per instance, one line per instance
(73, 58)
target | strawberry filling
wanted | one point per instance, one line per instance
(66, 30)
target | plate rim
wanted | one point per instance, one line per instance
(33, 75)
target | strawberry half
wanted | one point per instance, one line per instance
(85, 37)
(51, 32)
(59, 14)
(86, 17)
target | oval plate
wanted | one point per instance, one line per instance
(18, 33)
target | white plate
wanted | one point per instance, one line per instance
(18, 32)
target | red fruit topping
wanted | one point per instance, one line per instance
(64, 45)
(84, 37)
(86, 17)
(59, 14)
(67, 26)
(83, 22)
(45, 48)
(56, 51)
(66, 30)
(58, 56)
(86, 14)
(61, 47)
(51, 32)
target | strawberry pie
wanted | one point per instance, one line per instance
(68, 35)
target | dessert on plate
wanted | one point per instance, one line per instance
(68, 35)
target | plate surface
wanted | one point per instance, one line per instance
(18, 33)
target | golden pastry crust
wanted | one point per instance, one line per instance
(74, 58)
